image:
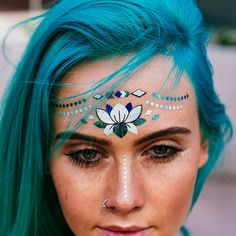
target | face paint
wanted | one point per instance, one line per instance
(185, 152)
(124, 174)
(98, 96)
(138, 93)
(156, 117)
(73, 112)
(109, 95)
(120, 94)
(119, 119)
(148, 112)
(170, 98)
(163, 106)
(67, 105)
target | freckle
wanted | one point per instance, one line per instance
(66, 196)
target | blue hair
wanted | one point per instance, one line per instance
(83, 30)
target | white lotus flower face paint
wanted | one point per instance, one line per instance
(119, 119)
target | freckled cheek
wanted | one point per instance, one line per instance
(178, 197)
(77, 198)
(172, 188)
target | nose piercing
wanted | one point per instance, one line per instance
(104, 203)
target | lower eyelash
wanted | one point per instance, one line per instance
(167, 158)
(82, 163)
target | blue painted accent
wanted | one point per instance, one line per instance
(156, 117)
(118, 94)
(155, 95)
(108, 108)
(129, 107)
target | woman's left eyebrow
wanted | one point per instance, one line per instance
(163, 133)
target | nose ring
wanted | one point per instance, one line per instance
(104, 204)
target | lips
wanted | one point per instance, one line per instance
(124, 231)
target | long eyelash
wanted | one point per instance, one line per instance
(167, 158)
(80, 162)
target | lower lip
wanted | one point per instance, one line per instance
(143, 232)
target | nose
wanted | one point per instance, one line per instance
(126, 193)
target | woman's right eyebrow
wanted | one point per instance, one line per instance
(163, 133)
(84, 137)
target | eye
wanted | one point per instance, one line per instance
(87, 157)
(163, 153)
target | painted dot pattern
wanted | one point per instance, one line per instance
(186, 151)
(125, 177)
(170, 98)
(164, 106)
(73, 112)
(68, 105)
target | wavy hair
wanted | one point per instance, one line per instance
(70, 33)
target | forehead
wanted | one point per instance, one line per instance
(172, 106)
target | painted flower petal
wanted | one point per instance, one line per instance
(134, 114)
(119, 113)
(104, 116)
(132, 128)
(108, 130)
(120, 130)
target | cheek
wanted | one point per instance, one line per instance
(172, 192)
(76, 197)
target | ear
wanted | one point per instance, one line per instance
(203, 158)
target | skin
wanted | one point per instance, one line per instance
(159, 193)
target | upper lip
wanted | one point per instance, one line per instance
(123, 228)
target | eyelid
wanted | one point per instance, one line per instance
(77, 146)
(171, 143)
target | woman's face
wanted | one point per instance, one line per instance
(139, 152)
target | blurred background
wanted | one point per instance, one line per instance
(215, 212)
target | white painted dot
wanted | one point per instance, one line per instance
(147, 102)
(148, 112)
(157, 105)
(152, 104)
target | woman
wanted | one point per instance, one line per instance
(111, 123)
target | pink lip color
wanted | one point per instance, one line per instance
(118, 231)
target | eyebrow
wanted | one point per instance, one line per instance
(163, 133)
(101, 141)
(84, 137)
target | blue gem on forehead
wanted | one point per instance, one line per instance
(108, 108)
(129, 107)
(118, 94)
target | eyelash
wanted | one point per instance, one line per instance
(76, 159)
(169, 153)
